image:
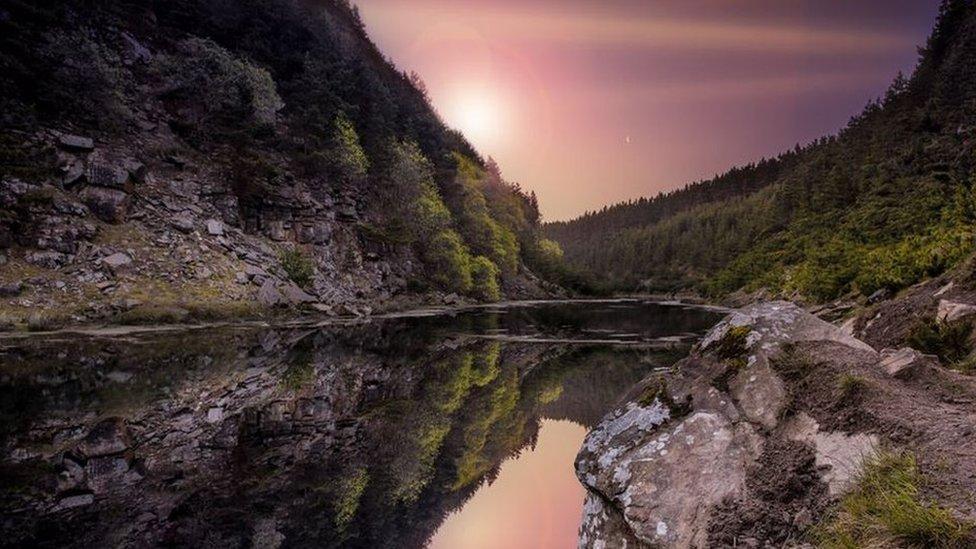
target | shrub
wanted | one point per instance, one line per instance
(212, 85)
(733, 345)
(948, 340)
(298, 266)
(449, 262)
(884, 510)
(347, 155)
(484, 279)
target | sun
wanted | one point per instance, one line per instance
(480, 115)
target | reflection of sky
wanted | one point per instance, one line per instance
(535, 503)
(591, 102)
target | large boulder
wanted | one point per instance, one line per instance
(690, 449)
(109, 205)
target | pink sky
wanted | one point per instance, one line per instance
(591, 103)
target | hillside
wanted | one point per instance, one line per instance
(183, 159)
(886, 202)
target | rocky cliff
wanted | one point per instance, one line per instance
(182, 158)
(782, 430)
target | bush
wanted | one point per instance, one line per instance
(948, 340)
(298, 266)
(449, 262)
(484, 279)
(884, 510)
(213, 87)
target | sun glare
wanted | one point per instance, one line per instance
(479, 115)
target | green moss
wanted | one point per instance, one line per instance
(733, 344)
(885, 509)
(658, 391)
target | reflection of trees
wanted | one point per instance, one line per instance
(364, 436)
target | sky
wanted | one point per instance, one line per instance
(590, 103)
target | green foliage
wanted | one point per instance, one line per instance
(948, 340)
(214, 87)
(350, 493)
(885, 510)
(347, 154)
(484, 279)
(298, 266)
(449, 261)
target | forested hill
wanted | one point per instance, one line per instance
(265, 141)
(886, 202)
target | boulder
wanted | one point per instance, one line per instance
(109, 205)
(951, 311)
(268, 294)
(296, 296)
(12, 289)
(76, 143)
(183, 222)
(117, 261)
(690, 447)
(109, 437)
(905, 362)
(107, 175)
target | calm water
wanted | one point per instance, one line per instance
(452, 431)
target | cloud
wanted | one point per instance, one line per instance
(534, 26)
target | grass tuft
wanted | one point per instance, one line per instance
(885, 510)
(850, 386)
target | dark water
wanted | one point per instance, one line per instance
(454, 431)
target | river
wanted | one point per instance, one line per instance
(445, 430)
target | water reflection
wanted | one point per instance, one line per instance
(347, 436)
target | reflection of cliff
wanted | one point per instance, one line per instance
(364, 436)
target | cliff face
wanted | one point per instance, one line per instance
(182, 157)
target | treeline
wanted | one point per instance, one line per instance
(277, 90)
(885, 203)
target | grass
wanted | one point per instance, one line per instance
(851, 386)
(885, 509)
(948, 340)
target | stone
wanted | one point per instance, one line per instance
(116, 261)
(253, 271)
(664, 481)
(79, 500)
(951, 311)
(182, 222)
(296, 296)
(73, 172)
(215, 227)
(879, 296)
(136, 170)
(107, 175)
(839, 456)
(215, 414)
(109, 205)
(109, 437)
(268, 294)
(12, 289)
(905, 362)
(47, 259)
(77, 143)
